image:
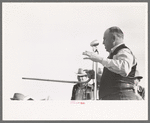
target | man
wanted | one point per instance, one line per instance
(22, 97)
(138, 89)
(82, 91)
(141, 91)
(117, 82)
(19, 96)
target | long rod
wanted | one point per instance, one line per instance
(96, 77)
(96, 67)
(94, 96)
(95, 88)
(63, 81)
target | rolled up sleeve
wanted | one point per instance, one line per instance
(121, 62)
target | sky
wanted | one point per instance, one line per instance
(46, 40)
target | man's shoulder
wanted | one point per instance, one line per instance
(125, 50)
(75, 86)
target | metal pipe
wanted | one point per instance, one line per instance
(63, 81)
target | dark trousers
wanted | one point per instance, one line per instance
(122, 95)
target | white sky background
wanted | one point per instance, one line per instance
(46, 40)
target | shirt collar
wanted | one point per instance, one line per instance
(112, 49)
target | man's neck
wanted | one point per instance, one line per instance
(116, 44)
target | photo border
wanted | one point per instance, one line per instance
(69, 1)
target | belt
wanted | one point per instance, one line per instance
(123, 90)
(119, 86)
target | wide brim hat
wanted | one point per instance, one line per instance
(137, 76)
(81, 72)
(18, 96)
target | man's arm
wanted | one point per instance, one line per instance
(121, 63)
(73, 93)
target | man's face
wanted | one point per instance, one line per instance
(82, 78)
(108, 40)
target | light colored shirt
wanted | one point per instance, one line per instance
(121, 63)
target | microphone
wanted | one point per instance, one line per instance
(94, 43)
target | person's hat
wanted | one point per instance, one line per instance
(81, 72)
(137, 76)
(18, 96)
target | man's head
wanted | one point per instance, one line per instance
(137, 78)
(81, 75)
(19, 96)
(112, 37)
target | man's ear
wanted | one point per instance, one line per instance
(113, 40)
(114, 43)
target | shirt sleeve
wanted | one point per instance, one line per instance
(121, 62)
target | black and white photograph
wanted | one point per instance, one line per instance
(74, 61)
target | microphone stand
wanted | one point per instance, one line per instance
(96, 69)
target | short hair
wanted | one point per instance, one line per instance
(116, 32)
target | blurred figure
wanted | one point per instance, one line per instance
(141, 91)
(99, 75)
(82, 91)
(138, 89)
(21, 97)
